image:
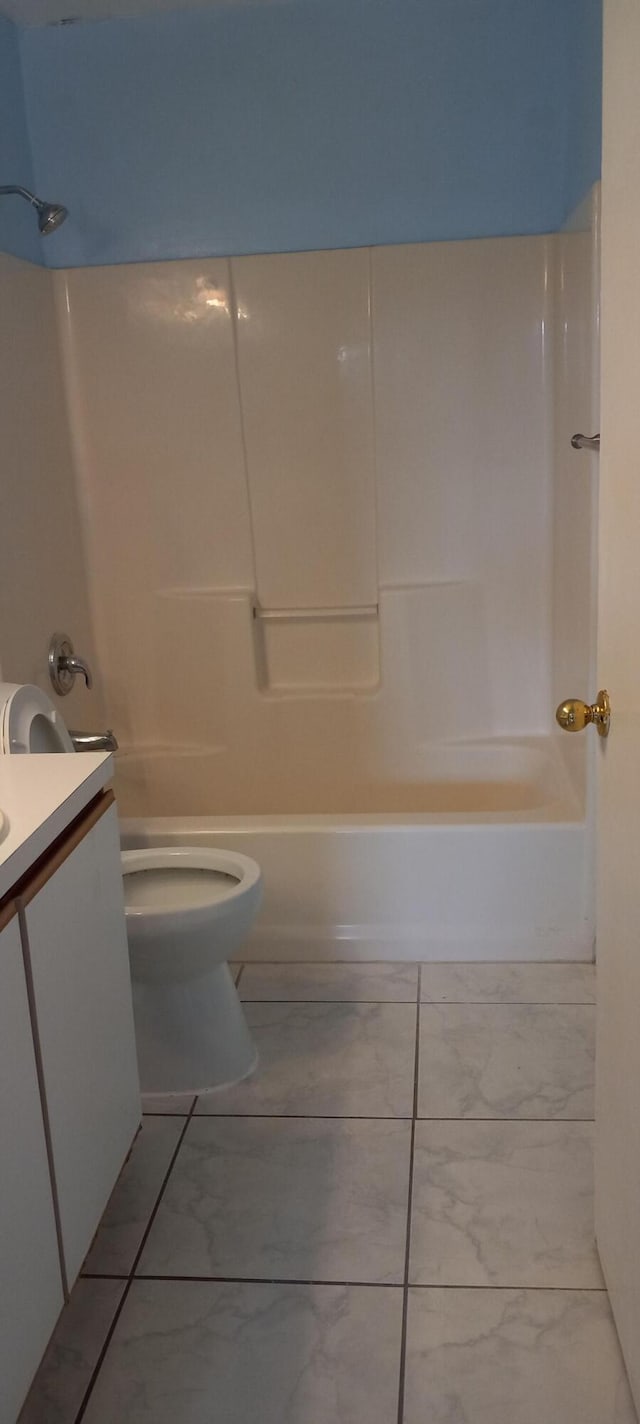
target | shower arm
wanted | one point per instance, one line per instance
(21, 192)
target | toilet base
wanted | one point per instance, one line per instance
(192, 1035)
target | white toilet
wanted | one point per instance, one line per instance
(29, 721)
(187, 910)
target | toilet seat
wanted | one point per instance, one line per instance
(168, 898)
(29, 721)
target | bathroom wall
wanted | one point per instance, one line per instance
(244, 127)
(43, 586)
(18, 231)
(361, 437)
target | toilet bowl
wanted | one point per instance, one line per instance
(187, 910)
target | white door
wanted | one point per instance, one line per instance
(618, 952)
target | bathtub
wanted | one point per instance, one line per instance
(482, 855)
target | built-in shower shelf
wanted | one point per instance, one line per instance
(314, 615)
(317, 652)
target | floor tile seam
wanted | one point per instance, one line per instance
(131, 1276)
(407, 1252)
(271, 1280)
(560, 1290)
(436, 1003)
(347, 1283)
(559, 1120)
(386, 1003)
(369, 1117)
(305, 1117)
(504, 1003)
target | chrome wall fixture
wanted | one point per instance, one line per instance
(94, 741)
(585, 442)
(50, 215)
(65, 666)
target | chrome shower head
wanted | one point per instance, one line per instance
(50, 215)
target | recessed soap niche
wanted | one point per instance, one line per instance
(317, 650)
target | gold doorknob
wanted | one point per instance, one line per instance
(574, 715)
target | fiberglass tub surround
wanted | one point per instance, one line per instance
(354, 578)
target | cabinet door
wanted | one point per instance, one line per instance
(30, 1279)
(77, 948)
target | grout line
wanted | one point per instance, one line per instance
(371, 1117)
(329, 1117)
(508, 1003)
(261, 1281)
(558, 1120)
(489, 1285)
(407, 1253)
(384, 1002)
(99, 1363)
(322, 1281)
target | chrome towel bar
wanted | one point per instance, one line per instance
(313, 615)
(585, 442)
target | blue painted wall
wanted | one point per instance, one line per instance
(584, 99)
(18, 227)
(313, 123)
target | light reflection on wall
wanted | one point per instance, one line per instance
(206, 301)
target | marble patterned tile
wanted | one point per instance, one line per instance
(134, 1197)
(285, 1199)
(179, 1104)
(514, 1357)
(564, 983)
(325, 1060)
(504, 1204)
(349, 983)
(60, 1384)
(241, 1353)
(506, 1061)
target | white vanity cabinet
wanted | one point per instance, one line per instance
(31, 1293)
(69, 1093)
(76, 950)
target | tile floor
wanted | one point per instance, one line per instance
(391, 1223)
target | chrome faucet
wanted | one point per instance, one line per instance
(65, 665)
(76, 665)
(94, 741)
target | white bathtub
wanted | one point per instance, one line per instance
(484, 857)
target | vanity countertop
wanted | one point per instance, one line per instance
(40, 796)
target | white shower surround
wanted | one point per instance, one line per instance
(397, 774)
